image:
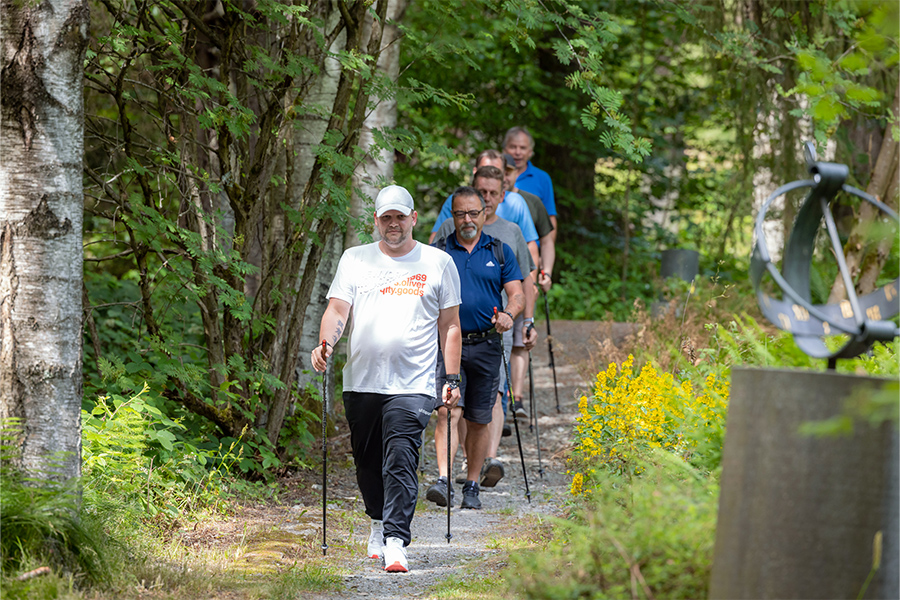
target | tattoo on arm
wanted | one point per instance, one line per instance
(518, 301)
(338, 332)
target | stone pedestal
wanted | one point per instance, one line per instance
(798, 514)
(681, 263)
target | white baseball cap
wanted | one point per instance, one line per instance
(393, 197)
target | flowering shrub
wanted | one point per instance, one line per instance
(630, 413)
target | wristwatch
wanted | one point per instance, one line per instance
(510, 314)
(453, 380)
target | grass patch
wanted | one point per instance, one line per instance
(307, 577)
(492, 587)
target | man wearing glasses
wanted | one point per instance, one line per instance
(487, 268)
(488, 181)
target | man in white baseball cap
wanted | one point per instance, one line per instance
(404, 298)
(393, 197)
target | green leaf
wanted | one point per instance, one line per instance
(828, 109)
(165, 438)
(855, 62)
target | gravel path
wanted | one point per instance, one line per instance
(277, 537)
(471, 548)
(475, 532)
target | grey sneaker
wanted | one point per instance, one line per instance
(520, 410)
(491, 472)
(437, 493)
(461, 478)
(470, 496)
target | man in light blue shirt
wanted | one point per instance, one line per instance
(513, 208)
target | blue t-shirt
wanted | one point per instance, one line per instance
(481, 280)
(513, 208)
(538, 182)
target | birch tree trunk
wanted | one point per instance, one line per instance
(302, 160)
(378, 164)
(865, 259)
(41, 203)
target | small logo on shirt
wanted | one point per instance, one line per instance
(490, 263)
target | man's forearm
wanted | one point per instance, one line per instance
(548, 253)
(515, 293)
(334, 320)
(528, 290)
(451, 339)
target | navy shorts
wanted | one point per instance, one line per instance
(479, 364)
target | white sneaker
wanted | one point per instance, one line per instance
(376, 540)
(395, 556)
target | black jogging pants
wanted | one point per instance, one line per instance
(386, 434)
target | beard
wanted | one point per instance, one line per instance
(397, 239)
(468, 232)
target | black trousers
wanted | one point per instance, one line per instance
(386, 434)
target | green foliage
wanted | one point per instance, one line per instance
(304, 578)
(586, 292)
(131, 453)
(746, 342)
(840, 73)
(44, 523)
(654, 532)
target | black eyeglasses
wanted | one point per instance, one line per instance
(461, 214)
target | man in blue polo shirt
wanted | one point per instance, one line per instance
(487, 267)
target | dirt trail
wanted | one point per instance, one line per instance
(281, 535)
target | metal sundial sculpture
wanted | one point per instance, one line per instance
(864, 319)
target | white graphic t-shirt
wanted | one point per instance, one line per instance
(394, 309)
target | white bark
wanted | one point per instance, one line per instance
(378, 166)
(41, 201)
(306, 141)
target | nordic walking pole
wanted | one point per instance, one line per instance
(512, 402)
(531, 417)
(537, 428)
(324, 451)
(449, 470)
(550, 347)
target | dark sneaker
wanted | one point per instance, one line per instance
(437, 493)
(491, 472)
(507, 430)
(470, 496)
(519, 408)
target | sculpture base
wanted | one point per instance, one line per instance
(799, 514)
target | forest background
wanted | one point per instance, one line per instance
(231, 151)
